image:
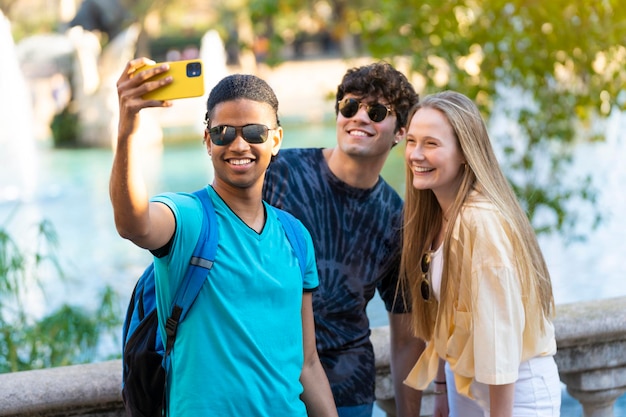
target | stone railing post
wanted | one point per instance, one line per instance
(591, 340)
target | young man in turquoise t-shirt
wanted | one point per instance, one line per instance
(247, 346)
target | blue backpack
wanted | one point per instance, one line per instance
(145, 356)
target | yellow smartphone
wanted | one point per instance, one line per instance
(188, 80)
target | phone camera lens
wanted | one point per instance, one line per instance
(194, 69)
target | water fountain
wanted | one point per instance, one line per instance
(18, 154)
(91, 71)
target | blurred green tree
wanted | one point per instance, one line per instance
(556, 70)
(549, 72)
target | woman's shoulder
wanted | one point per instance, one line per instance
(481, 215)
(484, 228)
(478, 205)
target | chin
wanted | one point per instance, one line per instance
(421, 187)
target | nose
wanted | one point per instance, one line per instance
(416, 153)
(362, 112)
(239, 143)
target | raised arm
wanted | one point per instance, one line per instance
(317, 395)
(148, 225)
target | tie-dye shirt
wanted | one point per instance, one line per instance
(357, 239)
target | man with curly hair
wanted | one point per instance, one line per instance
(355, 220)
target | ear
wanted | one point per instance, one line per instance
(207, 141)
(399, 136)
(277, 139)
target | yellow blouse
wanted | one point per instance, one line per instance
(485, 338)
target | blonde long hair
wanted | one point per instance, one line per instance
(423, 217)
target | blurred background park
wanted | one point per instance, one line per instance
(550, 78)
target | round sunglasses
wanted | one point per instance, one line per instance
(377, 112)
(425, 284)
(224, 134)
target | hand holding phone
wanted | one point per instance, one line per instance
(188, 80)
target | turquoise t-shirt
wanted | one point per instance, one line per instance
(239, 352)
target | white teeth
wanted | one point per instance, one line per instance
(422, 169)
(240, 161)
(358, 133)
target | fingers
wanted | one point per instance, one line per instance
(137, 63)
(137, 80)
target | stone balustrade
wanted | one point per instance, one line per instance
(591, 338)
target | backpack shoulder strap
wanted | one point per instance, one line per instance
(200, 263)
(295, 236)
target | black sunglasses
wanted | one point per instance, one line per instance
(377, 112)
(425, 268)
(253, 133)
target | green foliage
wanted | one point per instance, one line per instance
(554, 69)
(66, 335)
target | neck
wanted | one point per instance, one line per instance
(246, 203)
(357, 172)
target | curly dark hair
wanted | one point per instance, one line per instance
(380, 80)
(238, 86)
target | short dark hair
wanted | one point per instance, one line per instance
(380, 80)
(241, 86)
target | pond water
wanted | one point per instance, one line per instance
(70, 189)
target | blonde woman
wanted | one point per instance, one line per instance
(481, 291)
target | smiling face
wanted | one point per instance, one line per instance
(359, 136)
(240, 164)
(434, 155)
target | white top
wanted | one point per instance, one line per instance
(436, 270)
